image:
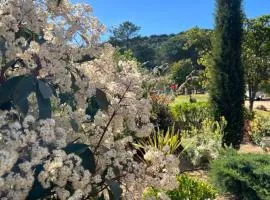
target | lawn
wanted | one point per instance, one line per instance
(185, 98)
(204, 97)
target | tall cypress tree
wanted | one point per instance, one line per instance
(227, 86)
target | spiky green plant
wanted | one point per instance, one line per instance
(160, 140)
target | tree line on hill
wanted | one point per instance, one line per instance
(192, 50)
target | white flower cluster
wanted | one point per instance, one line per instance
(26, 144)
(40, 38)
(121, 82)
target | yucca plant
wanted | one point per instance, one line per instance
(161, 140)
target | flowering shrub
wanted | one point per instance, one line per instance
(51, 62)
(32, 156)
(259, 128)
(204, 144)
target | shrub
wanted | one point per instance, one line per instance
(202, 145)
(161, 116)
(189, 114)
(260, 127)
(168, 142)
(248, 115)
(245, 175)
(189, 188)
(40, 156)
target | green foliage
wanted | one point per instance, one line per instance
(161, 140)
(192, 189)
(150, 193)
(160, 114)
(102, 100)
(189, 188)
(185, 74)
(188, 115)
(204, 144)
(227, 86)
(260, 127)
(156, 50)
(125, 56)
(180, 70)
(248, 115)
(114, 190)
(123, 33)
(256, 47)
(245, 175)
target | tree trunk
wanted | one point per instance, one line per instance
(252, 95)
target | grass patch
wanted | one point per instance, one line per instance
(185, 98)
(262, 113)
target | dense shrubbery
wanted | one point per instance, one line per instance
(189, 188)
(161, 116)
(189, 114)
(95, 94)
(259, 128)
(203, 144)
(245, 175)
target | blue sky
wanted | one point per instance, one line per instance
(166, 16)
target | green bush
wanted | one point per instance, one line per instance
(204, 144)
(190, 114)
(189, 188)
(248, 115)
(260, 127)
(245, 175)
(160, 114)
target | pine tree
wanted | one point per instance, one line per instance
(227, 86)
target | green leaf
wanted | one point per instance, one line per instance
(92, 107)
(69, 99)
(23, 106)
(7, 89)
(102, 99)
(83, 151)
(102, 197)
(44, 106)
(74, 124)
(44, 89)
(23, 89)
(115, 190)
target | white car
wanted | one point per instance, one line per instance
(258, 96)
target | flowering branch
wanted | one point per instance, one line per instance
(111, 118)
(35, 72)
